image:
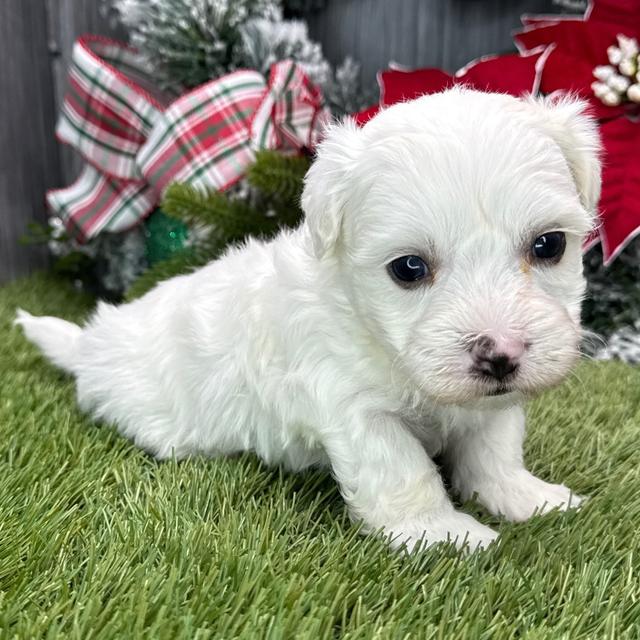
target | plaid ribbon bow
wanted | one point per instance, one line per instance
(136, 140)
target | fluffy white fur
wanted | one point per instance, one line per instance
(305, 351)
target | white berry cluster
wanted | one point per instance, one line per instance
(619, 80)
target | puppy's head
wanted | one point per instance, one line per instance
(455, 222)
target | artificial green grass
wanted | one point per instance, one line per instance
(97, 540)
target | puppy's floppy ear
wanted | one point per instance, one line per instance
(566, 120)
(327, 184)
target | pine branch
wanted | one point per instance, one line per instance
(278, 176)
(230, 219)
(196, 206)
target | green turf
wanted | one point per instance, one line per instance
(99, 540)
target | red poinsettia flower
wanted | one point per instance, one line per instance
(618, 12)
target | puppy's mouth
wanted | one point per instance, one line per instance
(490, 387)
(500, 390)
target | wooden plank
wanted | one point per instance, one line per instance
(36, 39)
(28, 154)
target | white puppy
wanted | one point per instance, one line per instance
(435, 283)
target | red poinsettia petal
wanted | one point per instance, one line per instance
(512, 73)
(546, 33)
(398, 85)
(622, 13)
(530, 20)
(362, 117)
(588, 40)
(620, 201)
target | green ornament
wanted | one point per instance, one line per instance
(165, 236)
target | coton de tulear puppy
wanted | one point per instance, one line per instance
(434, 285)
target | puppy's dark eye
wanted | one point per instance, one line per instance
(549, 246)
(409, 268)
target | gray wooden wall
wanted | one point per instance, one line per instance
(35, 43)
(429, 33)
(36, 37)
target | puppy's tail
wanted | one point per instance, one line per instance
(56, 338)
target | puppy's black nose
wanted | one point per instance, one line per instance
(498, 367)
(497, 359)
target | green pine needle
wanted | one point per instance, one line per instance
(279, 177)
(99, 540)
(230, 219)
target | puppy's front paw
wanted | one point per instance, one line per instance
(523, 495)
(451, 526)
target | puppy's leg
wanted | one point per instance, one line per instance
(390, 483)
(484, 457)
